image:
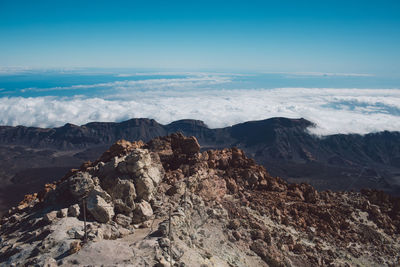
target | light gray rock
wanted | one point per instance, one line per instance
(99, 234)
(80, 184)
(121, 207)
(108, 168)
(163, 227)
(123, 220)
(164, 242)
(74, 211)
(123, 232)
(142, 212)
(109, 232)
(50, 217)
(72, 233)
(62, 213)
(97, 190)
(146, 171)
(124, 191)
(50, 262)
(96, 204)
(79, 234)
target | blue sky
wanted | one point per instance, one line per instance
(290, 36)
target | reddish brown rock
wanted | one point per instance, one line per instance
(185, 145)
(212, 189)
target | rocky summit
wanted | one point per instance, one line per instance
(166, 203)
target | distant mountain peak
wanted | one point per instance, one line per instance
(198, 123)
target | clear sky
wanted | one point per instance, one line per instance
(302, 36)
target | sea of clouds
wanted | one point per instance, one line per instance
(202, 97)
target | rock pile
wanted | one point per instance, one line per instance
(165, 202)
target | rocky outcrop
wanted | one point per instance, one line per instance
(31, 157)
(168, 202)
(123, 184)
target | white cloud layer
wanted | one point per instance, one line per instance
(333, 110)
(334, 74)
(185, 83)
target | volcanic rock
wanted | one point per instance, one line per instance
(99, 208)
(167, 200)
(74, 210)
(80, 184)
(123, 220)
(146, 172)
(142, 212)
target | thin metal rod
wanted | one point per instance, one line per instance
(84, 219)
(170, 239)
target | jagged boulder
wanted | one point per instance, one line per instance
(185, 145)
(107, 170)
(142, 212)
(124, 193)
(73, 211)
(121, 147)
(145, 170)
(80, 184)
(100, 206)
(123, 220)
(50, 217)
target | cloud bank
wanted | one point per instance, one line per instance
(325, 74)
(110, 89)
(333, 110)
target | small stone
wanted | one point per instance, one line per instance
(22, 206)
(123, 220)
(50, 217)
(176, 253)
(15, 218)
(79, 234)
(237, 235)
(145, 224)
(91, 236)
(234, 224)
(163, 227)
(71, 232)
(99, 234)
(50, 262)
(162, 263)
(164, 242)
(257, 234)
(123, 232)
(74, 211)
(110, 232)
(261, 249)
(62, 213)
(267, 238)
(74, 247)
(298, 248)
